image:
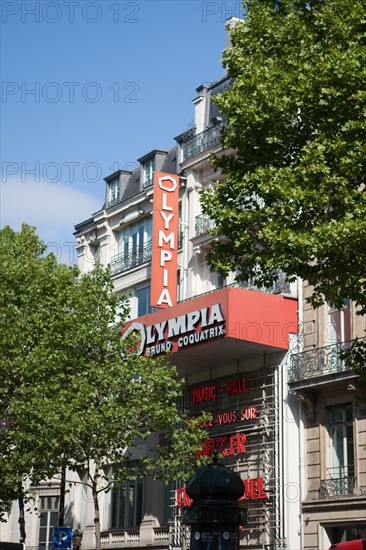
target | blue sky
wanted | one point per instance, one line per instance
(89, 87)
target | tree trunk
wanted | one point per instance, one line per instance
(21, 519)
(98, 544)
(61, 512)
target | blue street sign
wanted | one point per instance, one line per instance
(62, 537)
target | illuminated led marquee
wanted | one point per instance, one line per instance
(232, 444)
(235, 443)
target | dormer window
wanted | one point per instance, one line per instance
(113, 192)
(149, 163)
(148, 176)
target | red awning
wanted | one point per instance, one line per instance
(215, 328)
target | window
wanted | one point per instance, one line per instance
(340, 426)
(127, 504)
(95, 253)
(148, 175)
(134, 243)
(48, 520)
(143, 301)
(339, 323)
(134, 246)
(217, 280)
(340, 473)
(113, 193)
(344, 533)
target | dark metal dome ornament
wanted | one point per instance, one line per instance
(215, 481)
(215, 491)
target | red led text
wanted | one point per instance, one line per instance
(254, 489)
(239, 385)
(227, 445)
(207, 393)
(210, 392)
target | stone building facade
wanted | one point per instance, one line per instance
(287, 415)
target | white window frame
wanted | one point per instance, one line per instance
(47, 512)
(149, 169)
(341, 464)
(114, 190)
(149, 308)
(132, 510)
(339, 323)
(134, 237)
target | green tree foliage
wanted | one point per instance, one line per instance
(293, 191)
(76, 394)
(26, 455)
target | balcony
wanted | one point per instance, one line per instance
(193, 145)
(122, 262)
(339, 483)
(318, 362)
(203, 224)
(134, 258)
(158, 536)
(220, 87)
(281, 286)
(125, 537)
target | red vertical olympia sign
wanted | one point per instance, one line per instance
(164, 261)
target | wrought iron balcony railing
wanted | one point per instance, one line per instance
(221, 87)
(340, 482)
(203, 224)
(278, 287)
(317, 362)
(194, 145)
(123, 262)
